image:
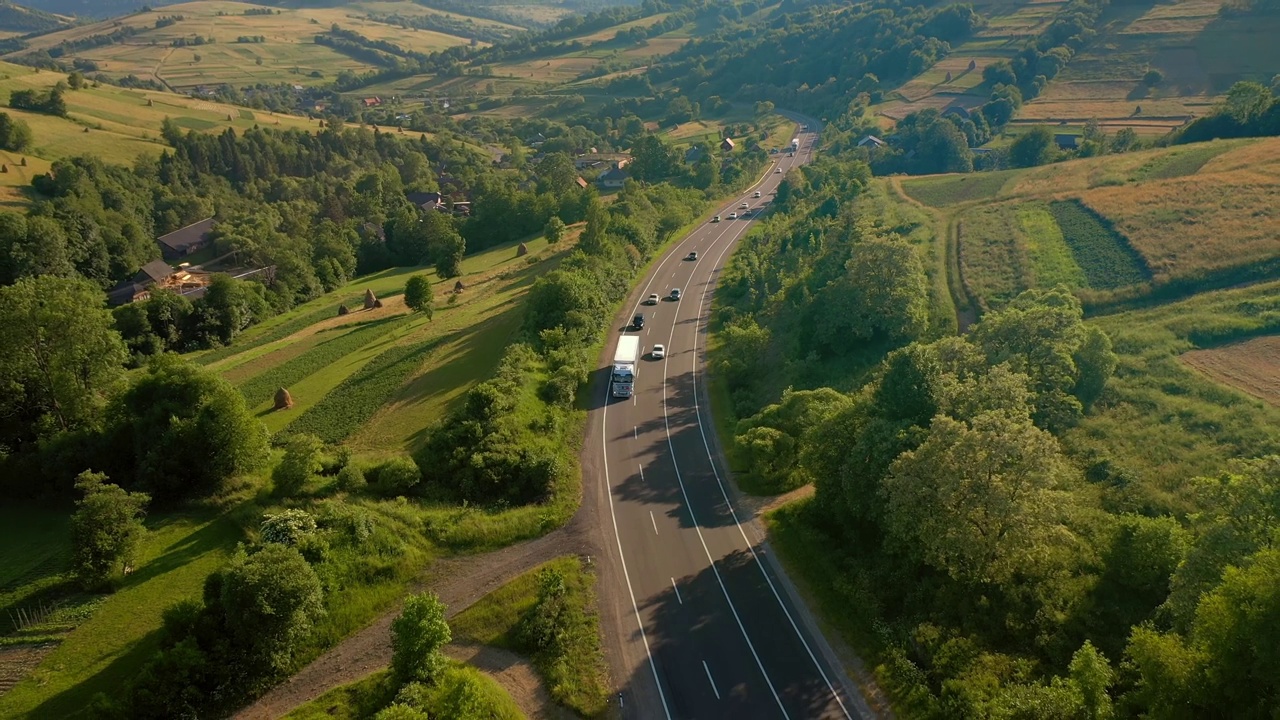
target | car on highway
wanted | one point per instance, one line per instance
(715, 219)
(652, 299)
(658, 352)
(637, 322)
(691, 256)
(675, 293)
(756, 194)
(744, 206)
(733, 216)
(777, 171)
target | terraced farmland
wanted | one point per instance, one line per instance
(377, 378)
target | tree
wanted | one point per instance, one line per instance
(1092, 674)
(271, 601)
(417, 295)
(417, 636)
(180, 431)
(882, 294)
(1152, 78)
(300, 463)
(1246, 101)
(445, 247)
(105, 529)
(287, 527)
(652, 159)
(944, 149)
(1032, 148)
(554, 231)
(978, 500)
(556, 174)
(15, 135)
(60, 357)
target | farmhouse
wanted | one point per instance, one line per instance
(727, 145)
(427, 200)
(613, 178)
(693, 154)
(185, 241)
(871, 141)
(158, 274)
(374, 101)
(590, 160)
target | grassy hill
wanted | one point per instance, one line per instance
(20, 19)
(113, 123)
(282, 47)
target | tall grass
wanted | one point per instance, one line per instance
(574, 672)
(944, 190)
(1051, 260)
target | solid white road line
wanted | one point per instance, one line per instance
(710, 679)
(604, 450)
(655, 522)
(698, 528)
(677, 589)
(711, 458)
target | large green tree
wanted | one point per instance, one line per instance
(417, 295)
(105, 529)
(882, 295)
(979, 500)
(180, 431)
(271, 601)
(60, 357)
(1032, 148)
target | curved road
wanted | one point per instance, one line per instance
(697, 619)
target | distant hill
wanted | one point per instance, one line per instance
(16, 18)
(95, 9)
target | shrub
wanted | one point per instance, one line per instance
(397, 476)
(300, 463)
(417, 635)
(351, 479)
(288, 527)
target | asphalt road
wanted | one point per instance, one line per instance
(698, 623)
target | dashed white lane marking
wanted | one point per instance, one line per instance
(677, 589)
(654, 521)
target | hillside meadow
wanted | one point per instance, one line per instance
(1162, 221)
(105, 641)
(286, 52)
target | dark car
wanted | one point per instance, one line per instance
(637, 322)
(692, 256)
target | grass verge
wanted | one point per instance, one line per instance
(574, 670)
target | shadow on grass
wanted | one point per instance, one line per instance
(76, 701)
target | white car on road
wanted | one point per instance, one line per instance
(658, 352)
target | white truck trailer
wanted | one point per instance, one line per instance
(624, 365)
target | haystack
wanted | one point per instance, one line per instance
(377, 303)
(283, 400)
(459, 287)
(522, 250)
(370, 299)
(343, 310)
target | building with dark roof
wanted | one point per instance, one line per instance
(427, 200)
(726, 145)
(185, 241)
(613, 178)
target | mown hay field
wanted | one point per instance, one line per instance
(1252, 366)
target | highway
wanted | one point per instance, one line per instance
(697, 621)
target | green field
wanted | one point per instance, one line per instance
(114, 124)
(1184, 216)
(287, 53)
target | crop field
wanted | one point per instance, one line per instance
(285, 54)
(378, 378)
(1199, 53)
(943, 190)
(1252, 366)
(1104, 255)
(1011, 247)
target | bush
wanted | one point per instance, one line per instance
(351, 479)
(301, 462)
(398, 476)
(417, 635)
(288, 527)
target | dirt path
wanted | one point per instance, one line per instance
(460, 582)
(515, 675)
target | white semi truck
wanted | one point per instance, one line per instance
(624, 365)
(795, 144)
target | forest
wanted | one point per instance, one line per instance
(989, 571)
